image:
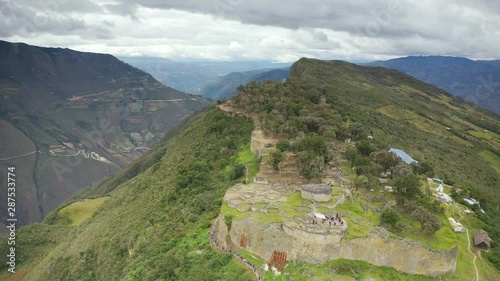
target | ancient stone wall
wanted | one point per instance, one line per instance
(403, 255)
(319, 197)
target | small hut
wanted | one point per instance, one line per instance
(317, 192)
(482, 240)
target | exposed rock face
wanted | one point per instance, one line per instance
(406, 256)
(316, 192)
(221, 231)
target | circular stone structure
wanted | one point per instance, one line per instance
(317, 192)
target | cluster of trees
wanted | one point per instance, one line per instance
(312, 153)
(370, 162)
(289, 109)
(297, 112)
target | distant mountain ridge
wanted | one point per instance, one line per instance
(80, 117)
(189, 77)
(476, 81)
(225, 86)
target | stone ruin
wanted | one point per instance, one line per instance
(317, 192)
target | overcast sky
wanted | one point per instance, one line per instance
(281, 30)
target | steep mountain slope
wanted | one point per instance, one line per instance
(226, 86)
(154, 225)
(476, 81)
(72, 118)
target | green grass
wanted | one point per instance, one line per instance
(253, 170)
(246, 156)
(365, 220)
(444, 239)
(77, 212)
(492, 159)
(295, 199)
(485, 134)
(228, 211)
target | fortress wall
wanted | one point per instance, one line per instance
(316, 237)
(407, 256)
(316, 196)
(403, 255)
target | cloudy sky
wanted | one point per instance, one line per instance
(280, 30)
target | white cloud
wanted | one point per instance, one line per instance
(270, 30)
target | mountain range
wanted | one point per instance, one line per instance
(69, 119)
(476, 81)
(226, 86)
(190, 76)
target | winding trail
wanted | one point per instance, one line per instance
(19, 156)
(468, 245)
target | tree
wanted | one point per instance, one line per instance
(361, 181)
(423, 168)
(358, 131)
(390, 217)
(283, 145)
(386, 159)
(401, 169)
(343, 133)
(237, 171)
(314, 143)
(428, 222)
(275, 159)
(311, 165)
(407, 189)
(365, 148)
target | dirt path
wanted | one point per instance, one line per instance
(468, 244)
(19, 156)
(247, 172)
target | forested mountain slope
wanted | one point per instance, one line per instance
(71, 118)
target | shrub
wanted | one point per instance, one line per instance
(428, 222)
(237, 171)
(390, 217)
(283, 145)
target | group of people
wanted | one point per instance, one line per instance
(332, 221)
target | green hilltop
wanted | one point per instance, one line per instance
(155, 223)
